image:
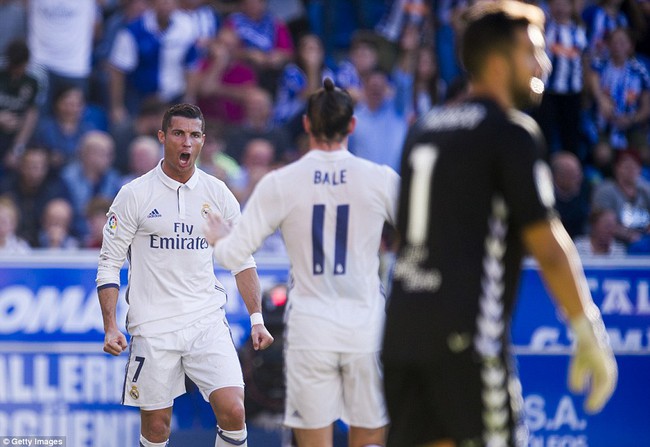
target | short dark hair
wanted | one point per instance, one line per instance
(329, 111)
(184, 110)
(491, 27)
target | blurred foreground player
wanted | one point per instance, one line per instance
(475, 196)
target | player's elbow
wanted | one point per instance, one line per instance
(547, 242)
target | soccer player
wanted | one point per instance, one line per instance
(331, 207)
(475, 196)
(176, 318)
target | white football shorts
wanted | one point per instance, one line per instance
(325, 386)
(155, 372)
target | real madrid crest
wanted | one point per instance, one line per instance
(134, 393)
(205, 210)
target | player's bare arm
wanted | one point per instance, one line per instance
(248, 284)
(114, 339)
(560, 266)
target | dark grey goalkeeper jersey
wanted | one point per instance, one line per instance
(472, 178)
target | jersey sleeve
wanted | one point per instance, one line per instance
(119, 231)
(260, 218)
(525, 179)
(231, 212)
(392, 183)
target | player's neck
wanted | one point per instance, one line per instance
(327, 146)
(491, 90)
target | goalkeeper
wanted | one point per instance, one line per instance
(475, 196)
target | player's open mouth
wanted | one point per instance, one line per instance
(185, 158)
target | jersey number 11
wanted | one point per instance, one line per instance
(340, 240)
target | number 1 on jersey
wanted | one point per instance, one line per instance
(340, 240)
(422, 159)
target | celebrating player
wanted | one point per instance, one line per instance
(331, 207)
(176, 318)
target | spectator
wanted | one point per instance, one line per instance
(95, 220)
(426, 82)
(127, 12)
(18, 108)
(336, 22)
(362, 59)
(621, 88)
(91, 175)
(401, 14)
(10, 243)
(31, 188)
(267, 43)
(205, 20)
(628, 196)
(293, 13)
(602, 18)
(224, 80)
(60, 39)
(56, 228)
(601, 238)
(382, 121)
(572, 193)
(145, 153)
(13, 23)
(561, 108)
(62, 132)
(382, 116)
(449, 23)
(257, 162)
(156, 56)
(298, 81)
(213, 160)
(258, 124)
(145, 123)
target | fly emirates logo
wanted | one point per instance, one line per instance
(183, 239)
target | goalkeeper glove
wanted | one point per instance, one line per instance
(593, 361)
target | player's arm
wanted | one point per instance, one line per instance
(236, 237)
(248, 284)
(561, 269)
(117, 236)
(114, 339)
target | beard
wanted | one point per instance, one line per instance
(526, 95)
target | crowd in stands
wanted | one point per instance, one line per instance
(84, 85)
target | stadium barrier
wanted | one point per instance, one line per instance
(56, 381)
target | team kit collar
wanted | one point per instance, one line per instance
(173, 184)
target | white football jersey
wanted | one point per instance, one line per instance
(331, 208)
(158, 223)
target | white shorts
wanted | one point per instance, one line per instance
(155, 372)
(325, 386)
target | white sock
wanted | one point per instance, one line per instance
(144, 442)
(226, 438)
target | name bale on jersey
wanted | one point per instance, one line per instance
(330, 178)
